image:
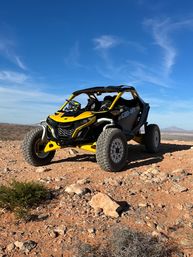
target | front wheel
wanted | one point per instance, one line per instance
(152, 138)
(33, 148)
(111, 150)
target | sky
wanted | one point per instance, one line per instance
(49, 49)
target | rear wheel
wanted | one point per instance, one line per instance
(33, 148)
(111, 150)
(152, 138)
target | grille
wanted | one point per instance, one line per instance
(65, 132)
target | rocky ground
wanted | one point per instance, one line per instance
(153, 195)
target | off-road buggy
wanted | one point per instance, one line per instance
(100, 120)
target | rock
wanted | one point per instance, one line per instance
(43, 216)
(179, 206)
(98, 211)
(187, 173)
(178, 170)
(73, 151)
(162, 177)
(142, 205)
(29, 245)
(58, 179)
(112, 182)
(91, 230)
(161, 205)
(10, 247)
(151, 224)
(176, 178)
(160, 228)
(58, 187)
(76, 189)
(109, 206)
(26, 246)
(186, 243)
(178, 188)
(154, 171)
(60, 230)
(42, 169)
(18, 244)
(6, 170)
(155, 233)
(83, 181)
(52, 234)
(1, 250)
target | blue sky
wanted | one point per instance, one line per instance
(50, 48)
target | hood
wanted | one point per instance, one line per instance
(59, 117)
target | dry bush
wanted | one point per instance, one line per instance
(125, 242)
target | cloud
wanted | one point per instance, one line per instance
(8, 51)
(15, 77)
(170, 111)
(161, 31)
(106, 42)
(20, 63)
(24, 100)
(133, 70)
(27, 106)
(147, 74)
(72, 59)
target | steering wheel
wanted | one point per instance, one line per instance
(73, 106)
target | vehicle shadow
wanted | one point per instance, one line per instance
(78, 158)
(137, 155)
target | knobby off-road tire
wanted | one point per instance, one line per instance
(111, 150)
(152, 138)
(32, 148)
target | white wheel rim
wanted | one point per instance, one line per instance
(116, 150)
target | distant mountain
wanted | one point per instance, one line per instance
(174, 129)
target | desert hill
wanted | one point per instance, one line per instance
(155, 193)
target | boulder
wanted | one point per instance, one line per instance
(42, 169)
(60, 230)
(109, 206)
(83, 181)
(76, 189)
(25, 246)
(10, 247)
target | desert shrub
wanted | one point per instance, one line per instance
(125, 242)
(19, 197)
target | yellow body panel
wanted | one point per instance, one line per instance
(92, 120)
(58, 117)
(89, 147)
(51, 146)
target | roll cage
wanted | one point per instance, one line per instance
(96, 91)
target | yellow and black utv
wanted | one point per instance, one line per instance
(100, 120)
